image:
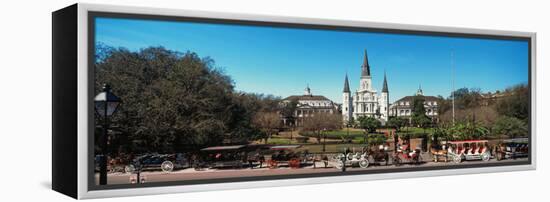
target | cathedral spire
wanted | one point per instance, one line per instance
(385, 85)
(346, 85)
(365, 68)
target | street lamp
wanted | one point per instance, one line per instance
(324, 139)
(106, 104)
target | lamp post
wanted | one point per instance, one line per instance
(106, 103)
(324, 139)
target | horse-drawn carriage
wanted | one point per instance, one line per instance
(233, 156)
(379, 156)
(165, 162)
(512, 148)
(287, 155)
(439, 151)
(351, 159)
(405, 154)
(362, 159)
(468, 150)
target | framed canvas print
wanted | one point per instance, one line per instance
(149, 101)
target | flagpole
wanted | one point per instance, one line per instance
(453, 84)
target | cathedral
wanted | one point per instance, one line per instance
(365, 101)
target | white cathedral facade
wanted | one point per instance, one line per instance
(365, 101)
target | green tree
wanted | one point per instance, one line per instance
(515, 102)
(288, 109)
(397, 123)
(468, 130)
(418, 106)
(510, 127)
(421, 121)
(467, 98)
(268, 123)
(174, 101)
(440, 133)
(369, 124)
(419, 117)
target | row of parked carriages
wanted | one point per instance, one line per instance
(225, 157)
(294, 156)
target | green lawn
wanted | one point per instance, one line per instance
(355, 135)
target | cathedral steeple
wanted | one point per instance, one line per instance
(346, 85)
(365, 68)
(385, 85)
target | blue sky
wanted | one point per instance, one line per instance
(282, 61)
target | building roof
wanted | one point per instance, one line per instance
(411, 98)
(306, 106)
(307, 97)
(365, 68)
(346, 85)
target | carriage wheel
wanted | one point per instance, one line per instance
(485, 156)
(364, 163)
(339, 165)
(129, 168)
(167, 166)
(457, 159)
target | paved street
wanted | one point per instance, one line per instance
(191, 174)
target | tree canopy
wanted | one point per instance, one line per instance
(369, 124)
(516, 103)
(319, 122)
(174, 101)
(510, 127)
(397, 123)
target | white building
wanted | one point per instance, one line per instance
(308, 105)
(365, 101)
(404, 106)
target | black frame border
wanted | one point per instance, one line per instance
(92, 15)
